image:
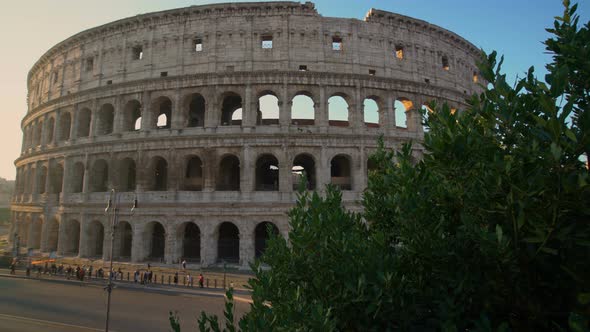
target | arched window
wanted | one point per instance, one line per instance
(302, 110)
(42, 179)
(402, 105)
(123, 241)
(106, 117)
(303, 166)
(338, 111)
(371, 112)
(160, 173)
(156, 236)
(228, 176)
(57, 179)
(72, 238)
(162, 108)
(191, 242)
(132, 116)
(50, 129)
(261, 236)
(77, 180)
(194, 175)
(267, 173)
(84, 118)
(231, 110)
(95, 239)
(65, 121)
(99, 176)
(340, 172)
(228, 243)
(196, 110)
(268, 110)
(127, 174)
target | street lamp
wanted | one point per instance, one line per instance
(113, 200)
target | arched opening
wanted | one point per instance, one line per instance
(228, 243)
(231, 110)
(402, 105)
(132, 116)
(261, 236)
(303, 165)
(77, 180)
(52, 235)
(194, 175)
(127, 174)
(196, 110)
(340, 172)
(65, 122)
(268, 110)
(36, 229)
(267, 173)
(50, 129)
(371, 113)
(302, 110)
(160, 174)
(228, 176)
(84, 119)
(42, 179)
(156, 235)
(99, 176)
(57, 179)
(191, 242)
(37, 133)
(162, 107)
(95, 239)
(72, 244)
(106, 117)
(123, 241)
(338, 111)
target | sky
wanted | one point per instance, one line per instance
(28, 28)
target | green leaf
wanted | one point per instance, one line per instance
(499, 233)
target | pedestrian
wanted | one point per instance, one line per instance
(90, 272)
(46, 268)
(149, 266)
(150, 276)
(201, 280)
(189, 280)
(184, 264)
(13, 268)
(120, 274)
(135, 276)
(176, 278)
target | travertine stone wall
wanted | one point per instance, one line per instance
(96, 99)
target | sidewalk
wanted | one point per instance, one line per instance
(240, 294)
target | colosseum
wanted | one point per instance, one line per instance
(209, 116)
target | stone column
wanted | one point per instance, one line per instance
(285, 167)
(138, 253)
(146, 112)
(43, 139)
(93, 126)
(246, 174)
(61, 239)
(323, 170)
(170, 246)
(390, 102)
(284, 108)
(118, 115)
(57, 126)
(74, 124)
(248, 109)
(360, 172)
(177, 113)
(208, 161)
(246, 247)
(107, 241)
(321, 109)
(208, 245)
(44, 233)
(86, 181)
(84, 236)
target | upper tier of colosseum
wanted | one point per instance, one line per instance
(227, 39)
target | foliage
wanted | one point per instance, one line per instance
(490, 231)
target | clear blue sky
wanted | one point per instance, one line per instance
(28, 28)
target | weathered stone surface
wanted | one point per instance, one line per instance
(202, 167)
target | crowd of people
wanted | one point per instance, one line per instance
(143, 277)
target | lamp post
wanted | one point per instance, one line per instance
(113, 200)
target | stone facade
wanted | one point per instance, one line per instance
(172, 109)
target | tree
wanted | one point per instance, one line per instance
(489, 231)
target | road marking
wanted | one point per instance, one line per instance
(47, 322)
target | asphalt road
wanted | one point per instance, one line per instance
(33, 305)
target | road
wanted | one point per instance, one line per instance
(33, 305)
